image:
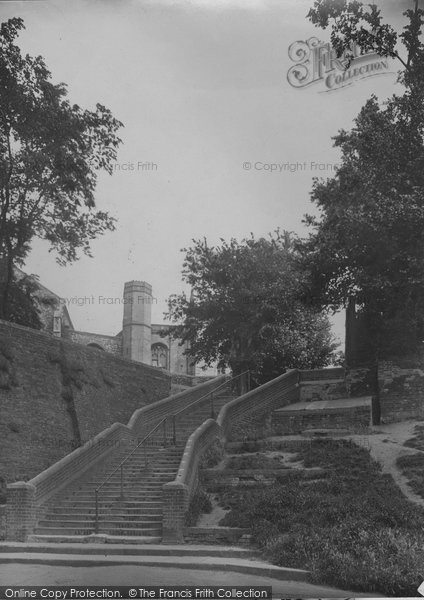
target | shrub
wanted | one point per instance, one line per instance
(412, 467)
(354, 529)
(389, 561)
(200, 503)
(213, 455)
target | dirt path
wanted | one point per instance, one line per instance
(386, 446)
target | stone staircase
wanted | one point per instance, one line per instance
(136, 516)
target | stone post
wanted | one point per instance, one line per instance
(20, 511)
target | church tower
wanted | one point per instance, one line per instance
(137, 322)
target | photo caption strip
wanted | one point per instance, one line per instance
(143, 592)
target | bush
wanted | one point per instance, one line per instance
(213, 455)
(412, 466)
(389, 561)
(354, 529)
(200, 503)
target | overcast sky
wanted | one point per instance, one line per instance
(201, 88)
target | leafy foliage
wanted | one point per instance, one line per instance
(245, 310)
(23, 309)
(368, 242)
(50, 152)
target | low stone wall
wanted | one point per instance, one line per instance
(217, 479)
(321, 374)
(311, 391)
(401, 387)
(108, 343)
(295, 422)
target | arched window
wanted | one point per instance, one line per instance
(93, 345)
(160, 354)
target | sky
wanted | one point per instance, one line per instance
(201, 88)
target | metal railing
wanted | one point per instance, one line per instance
(241, 379)
(121, 465)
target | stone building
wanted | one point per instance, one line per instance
(139, 340)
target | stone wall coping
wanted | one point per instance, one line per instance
(190, 448)
(156, 370)
(174, 485)
(98, 335)
(312, 382)
(69, 458)
(21, 485)
(331, 372)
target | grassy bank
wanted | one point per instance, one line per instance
(354, 529)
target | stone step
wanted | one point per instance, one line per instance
(137, 471)
(139, 465)
(108, 523)
(136, 484)
(90, 510)
(56, 546)
(124, 504)
(118, 517)
(70, 531)
(46, 541)
(255, 568)
(116, 490)
(132, 478)
(116, 497)
(138, 516)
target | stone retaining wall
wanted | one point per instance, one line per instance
(295, 422)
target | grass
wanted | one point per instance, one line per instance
(412, 466)
(353, 530)
(253, 461)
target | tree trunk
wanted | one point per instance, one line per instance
(6, 277)
(375, 403)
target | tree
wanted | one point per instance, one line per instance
(244, 311)
(23, 308)
(367, 245)
(50, 153)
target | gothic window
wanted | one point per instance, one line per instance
(160, 355)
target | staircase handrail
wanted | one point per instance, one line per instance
(151, 432)
(120, 468)
(278, 392)
(203, 398)
(163, 421)
(155, 428)
(199, 400)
